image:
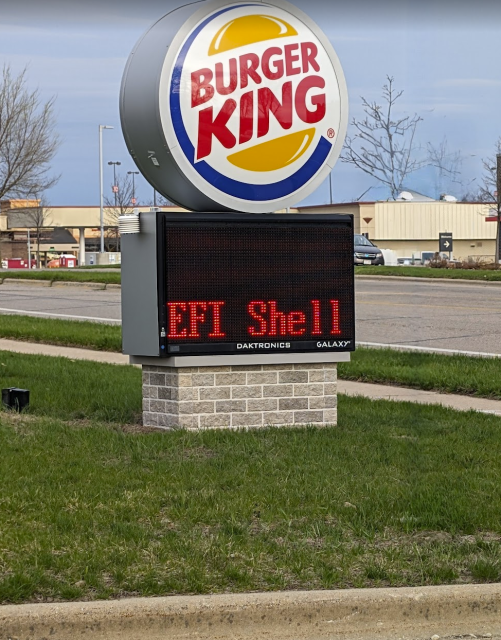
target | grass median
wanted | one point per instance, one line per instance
(395, 495)
(89, 274)
(67, 333)
(457, 374)
(429, 371)
(485, 275)
(55, 275)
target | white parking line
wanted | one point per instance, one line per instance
(57, 315)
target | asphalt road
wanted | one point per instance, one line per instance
(77, 303)
(444, 315)
(436, 315)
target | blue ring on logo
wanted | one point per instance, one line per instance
(235, 188)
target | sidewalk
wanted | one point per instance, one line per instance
(373, 391)
(73, 353)
(403, 394)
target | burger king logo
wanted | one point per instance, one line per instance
(252, 104)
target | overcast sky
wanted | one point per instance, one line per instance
(443, 54)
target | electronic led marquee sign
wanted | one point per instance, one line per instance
(234, 106)
(244, 284)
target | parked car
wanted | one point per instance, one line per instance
(366, 252)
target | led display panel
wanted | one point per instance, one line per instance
(247, 284)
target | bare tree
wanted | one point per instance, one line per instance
(38, 217)
(488, 188)
(28, 141)
(486, 192)
(447, 165)
(119, 204)
(160, 201)
(384, 146)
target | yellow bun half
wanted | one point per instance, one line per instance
(248, 30)
(274, 154)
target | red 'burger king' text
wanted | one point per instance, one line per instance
(249, 69)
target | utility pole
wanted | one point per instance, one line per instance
(101, 214)
(498, 200)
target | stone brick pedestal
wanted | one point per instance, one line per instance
(237, 396)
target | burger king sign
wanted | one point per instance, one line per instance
(237, 106)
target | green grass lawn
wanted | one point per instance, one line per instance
(428, 272)
(68, 333)
(447, 373)
(396, 494)
(95, 506)
(74, 389)
(65, 276)
(430, 371)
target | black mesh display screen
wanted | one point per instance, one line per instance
(243, 284)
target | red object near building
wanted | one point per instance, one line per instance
(67, 261)
(18, 263)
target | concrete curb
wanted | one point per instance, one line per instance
(428, 280)
(28, 282)
(358, 614)
(98, 286)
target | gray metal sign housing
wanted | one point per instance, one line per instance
(142, 300)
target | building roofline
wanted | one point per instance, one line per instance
(95, 206)
(335, 204)
(346, 204)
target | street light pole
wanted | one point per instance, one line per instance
(101, 216)
(115, 186)
(133, 174)
(498, 200)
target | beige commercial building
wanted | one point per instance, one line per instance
(81, 226)
(407, 228)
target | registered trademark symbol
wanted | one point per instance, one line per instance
(331, 133)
